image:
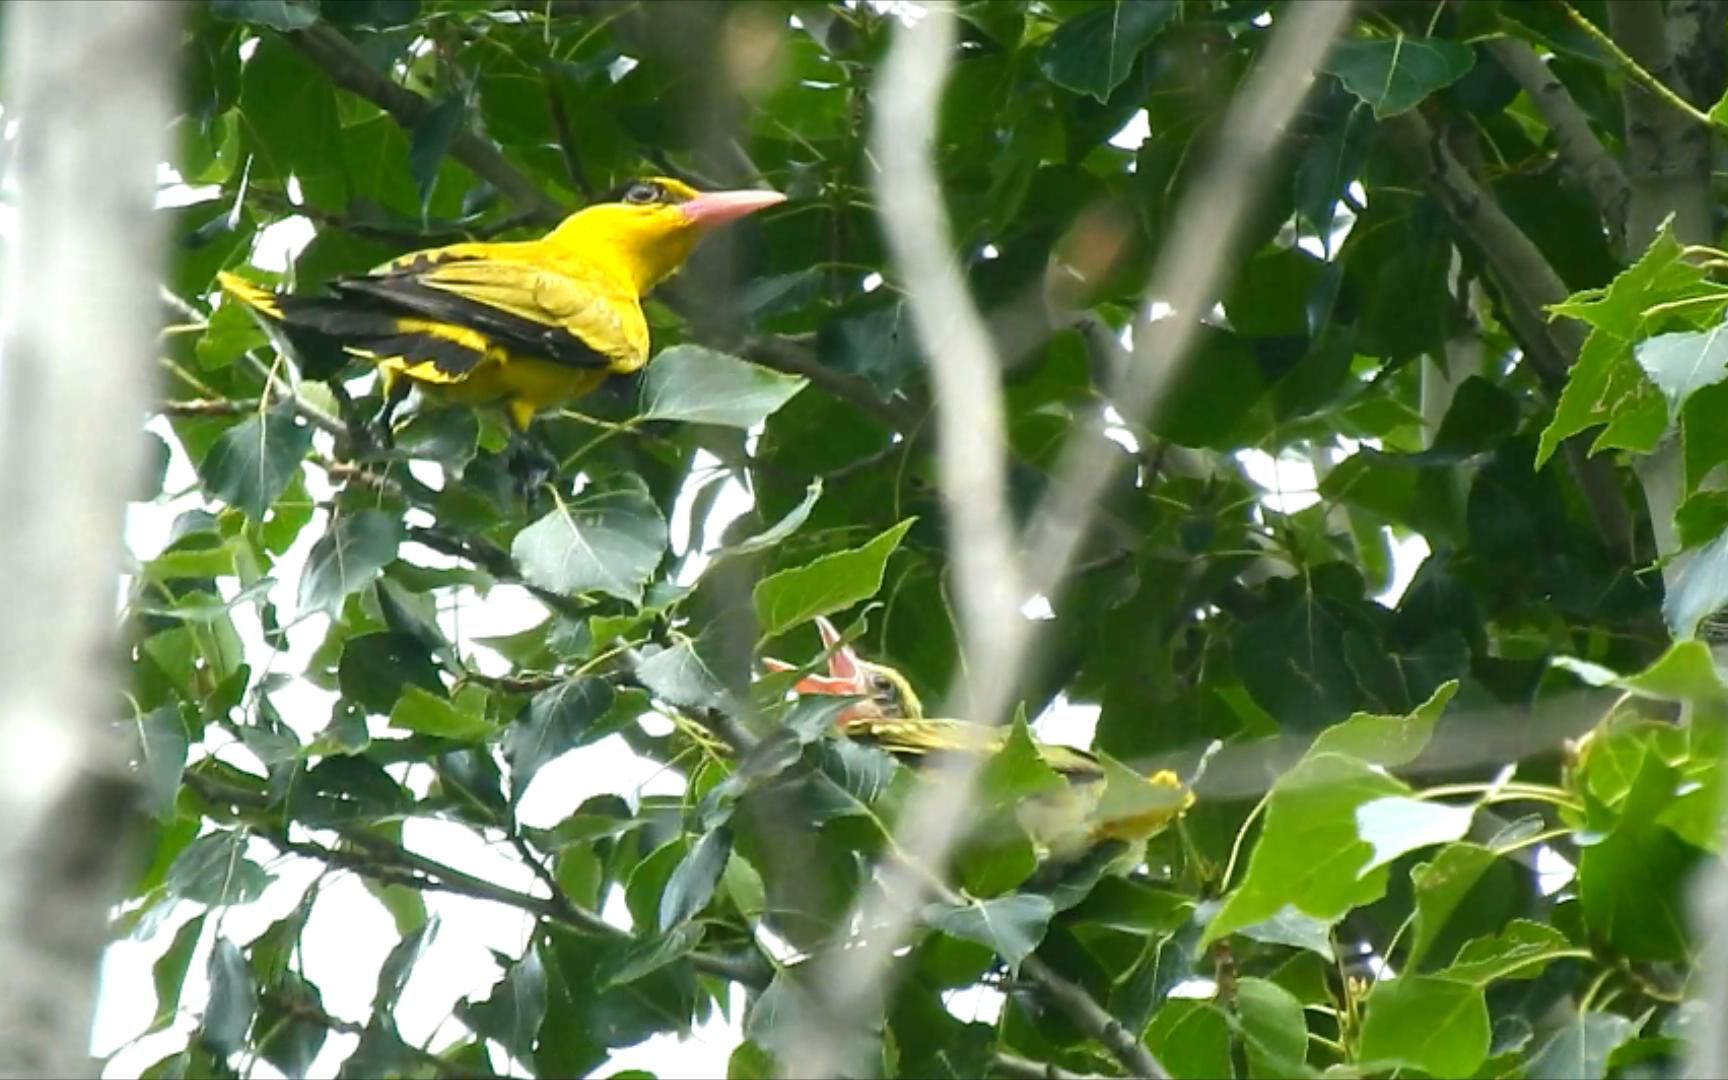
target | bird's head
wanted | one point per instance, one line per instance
(886, 693)
(651, 225)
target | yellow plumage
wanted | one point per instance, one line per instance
(527, 324)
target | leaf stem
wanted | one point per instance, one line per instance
(1632, 67)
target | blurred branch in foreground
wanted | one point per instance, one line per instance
(90, 84)
(992, 583)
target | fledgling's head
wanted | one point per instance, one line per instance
(886, 693)
(653, 224)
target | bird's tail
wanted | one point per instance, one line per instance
(254, 296)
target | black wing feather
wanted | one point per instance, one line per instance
(407, 294)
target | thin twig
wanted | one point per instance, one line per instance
(1632, 67)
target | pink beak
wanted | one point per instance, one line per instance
(843, 675)
(712, 208)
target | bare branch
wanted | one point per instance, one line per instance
(1580, 150)
(92, 85)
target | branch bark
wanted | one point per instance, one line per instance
(92, 85)
(1581, 152)
(1667, 150)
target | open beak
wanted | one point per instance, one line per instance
(712, 208)
(844, 675)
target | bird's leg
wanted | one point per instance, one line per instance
(360, 440)
(395, 393)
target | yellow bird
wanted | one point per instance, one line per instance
(1102, 800)
(529, 324)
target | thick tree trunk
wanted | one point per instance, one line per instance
(91, 86)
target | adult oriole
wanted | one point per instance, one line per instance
(528, 324)
(1100, 802)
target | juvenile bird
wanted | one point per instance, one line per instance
(1102, 801)
(526, 324)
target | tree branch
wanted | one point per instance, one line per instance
(1092, 1018)
(793, 357)
(1581, 152)
(1529, 285)
(387, 861)
(338, 59)
(1019, 1068)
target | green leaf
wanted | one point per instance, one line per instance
(1093, 52)
(1013, 925)
(233, 1000)
(430, 714)
(1393, 76)
(1605, 385)
(347, 558)
(608, 542)
(1271, 1022)
(430, 141)
(700, 386)
(214, 870)
(1397, 825)
(644, 956)
(1309, 855)
(829, 584)
(376, 667)
(691, 885)
(1291, 927)
(399, 964)
(1685, 673)
(289, 1038)
(1433, 1024)
(511, 1014)
(250, 465)
(1018, 771)
(1631, 882)
(231, 331)
(1521, 951)
(1698, 587)
(162, 746)
(683, 676)
(558, 719)
(1440, 886)
(1386, 740)
(1579, 1051)
(168, 973)
(1681, 364)
(781, 529)
(1191, 1039)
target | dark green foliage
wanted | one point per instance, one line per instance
(308, 683)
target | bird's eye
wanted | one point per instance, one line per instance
(642, 194)
(881, 683)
